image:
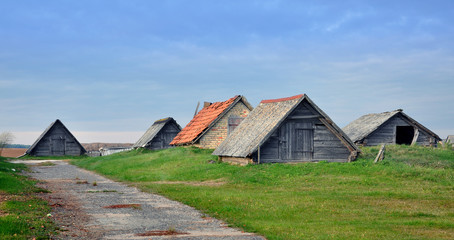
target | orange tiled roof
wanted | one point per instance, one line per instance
(201, 121)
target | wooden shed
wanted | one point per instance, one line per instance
(393, 127)
(159, 135)
(213, 123)
(56, 140)
(289, 129)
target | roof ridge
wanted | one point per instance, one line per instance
(282, 99)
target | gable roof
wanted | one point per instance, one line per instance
(153, 130)
(367, 124)
(450, 139)
(48, 129)
(266, 118)
(205, 119)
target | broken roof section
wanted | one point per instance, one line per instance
(151, 133)
(205, 119)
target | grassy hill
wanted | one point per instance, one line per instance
(409, 195)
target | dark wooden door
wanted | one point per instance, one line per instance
(296, 141)
(58, 146)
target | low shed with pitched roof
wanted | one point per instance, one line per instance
(393, 127)
(213, 123)
(159, 135)
(289, 129)
(56, 140)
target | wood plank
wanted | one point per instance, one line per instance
(381, 154)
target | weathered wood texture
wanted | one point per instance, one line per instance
(383, 128)
(386, 133)
(303, 139)
(288, 130)
(56, 140)
(164, 137)
(381, 154)
(159, 135)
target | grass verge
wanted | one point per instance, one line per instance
(22, 215)
(409, 195)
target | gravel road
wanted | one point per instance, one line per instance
(88, 206)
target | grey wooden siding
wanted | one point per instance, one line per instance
(301, 138)
(386, 133)
(164, 137)
(57, 142)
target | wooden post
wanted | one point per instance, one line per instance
(258, 155)
(381, 154)
(415, 137)
(197, 108)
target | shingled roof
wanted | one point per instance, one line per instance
(263, 121)
(205, 119)
(367, 124)
(153, 131)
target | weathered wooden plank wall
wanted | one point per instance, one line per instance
(386, 134)
(164, 137)
(307, 136)
(57, 142)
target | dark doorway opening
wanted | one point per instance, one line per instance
(404, 134)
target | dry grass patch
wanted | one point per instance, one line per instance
(427, 233)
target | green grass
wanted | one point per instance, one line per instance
(409, 195)
(22, 215)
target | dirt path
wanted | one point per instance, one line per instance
(89, 206)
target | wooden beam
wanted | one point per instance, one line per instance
(333, 131)
(304, 117)
(415, 137)
(381, 154)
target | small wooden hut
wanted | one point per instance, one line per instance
(159, 135)
(289, 129)
(213, 123)
(393, 127)
(56, 140)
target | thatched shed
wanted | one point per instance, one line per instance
(159, 135)
(213, 123)
(393, 127)
(291, 129)
(56, 140)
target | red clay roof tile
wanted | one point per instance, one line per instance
(282, 99)
(201, 121)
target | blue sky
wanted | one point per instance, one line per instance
(109, 69)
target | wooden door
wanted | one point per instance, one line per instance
(304, 141)
(58, 146)
(296, 141)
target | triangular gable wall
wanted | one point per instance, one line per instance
(56, 140)
(386, 132)
(323, 142)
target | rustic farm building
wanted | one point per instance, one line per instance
(289, 129)
(159, 135)
(213, 123)
(56, 140)
(393, 127)
(450, 139)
